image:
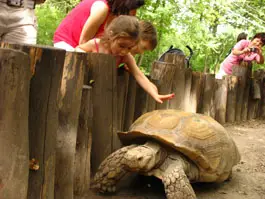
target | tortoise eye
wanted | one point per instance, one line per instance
(140, 158)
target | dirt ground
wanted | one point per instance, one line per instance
(248, 181)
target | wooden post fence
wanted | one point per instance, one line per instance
(14, 145)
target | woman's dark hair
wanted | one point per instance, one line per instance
(123, 7)
(241, 36)
(261, 36)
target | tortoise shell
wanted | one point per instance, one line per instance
(199, 137)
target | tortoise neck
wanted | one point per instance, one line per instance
(157, 149)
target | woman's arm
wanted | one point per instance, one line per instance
(98, 13)
(144, 82)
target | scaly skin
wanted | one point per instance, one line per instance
(177, 185)
(110, 171)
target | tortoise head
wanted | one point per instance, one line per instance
(143, 158)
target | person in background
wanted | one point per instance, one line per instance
(18, 22)
(240, 36)
(88, 20)
(148, 38)
(122, 34)
(244, 50)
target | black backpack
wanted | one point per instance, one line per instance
(179, 52)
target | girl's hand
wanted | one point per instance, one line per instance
(161, 98)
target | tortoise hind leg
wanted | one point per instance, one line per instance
(110, 171)
(177, 185)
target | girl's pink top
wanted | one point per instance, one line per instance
(232, 60)
(71, 27)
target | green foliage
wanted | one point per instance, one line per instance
(209, 27)
(50, 15)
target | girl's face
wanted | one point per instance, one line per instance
(121, 46)
(256, 42)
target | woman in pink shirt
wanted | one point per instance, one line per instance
(244, 50)
(88, 20)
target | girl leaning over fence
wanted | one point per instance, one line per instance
(89, 19)
(119, 38)
(244, 50)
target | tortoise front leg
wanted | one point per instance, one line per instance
(110, 171)
(177, 184)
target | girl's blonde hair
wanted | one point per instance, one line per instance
(123, 26)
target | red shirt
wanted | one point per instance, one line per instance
(71, 27)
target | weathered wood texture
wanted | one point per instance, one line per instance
(163, 74)
(46, 65)
(178, 83)
(196, 93)
(83, 144)
(208, 106)
(140, 102)
(103, 72)
(130, 103)
(122, 92)
(43, 120)
(241, 72)
(220, 99)
(14, 145)
(69, 108)
(231, 98)
(188, 83)
(255, 95)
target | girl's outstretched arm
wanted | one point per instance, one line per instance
(144, 82)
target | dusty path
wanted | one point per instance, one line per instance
(248, 180)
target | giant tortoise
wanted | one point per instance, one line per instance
(177, 147)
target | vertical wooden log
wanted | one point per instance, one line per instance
(220, 99)
(46, 64)
(14, 102)
(259, 74)
(130, 103)
(122, 92)
(84, 144)
(150, 102)
(178, 60)
(103, 68)
(178, 84)
(255, 95)
(140, 102)
(71, 90)
(240, 71)
(197, 85)
(188, 80)
(178, 87)
(231, 98)
(262, 103)
(163, 72)
(208, 96)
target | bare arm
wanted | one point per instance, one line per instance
(86, 47)
(144, 82)
(98, 13)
